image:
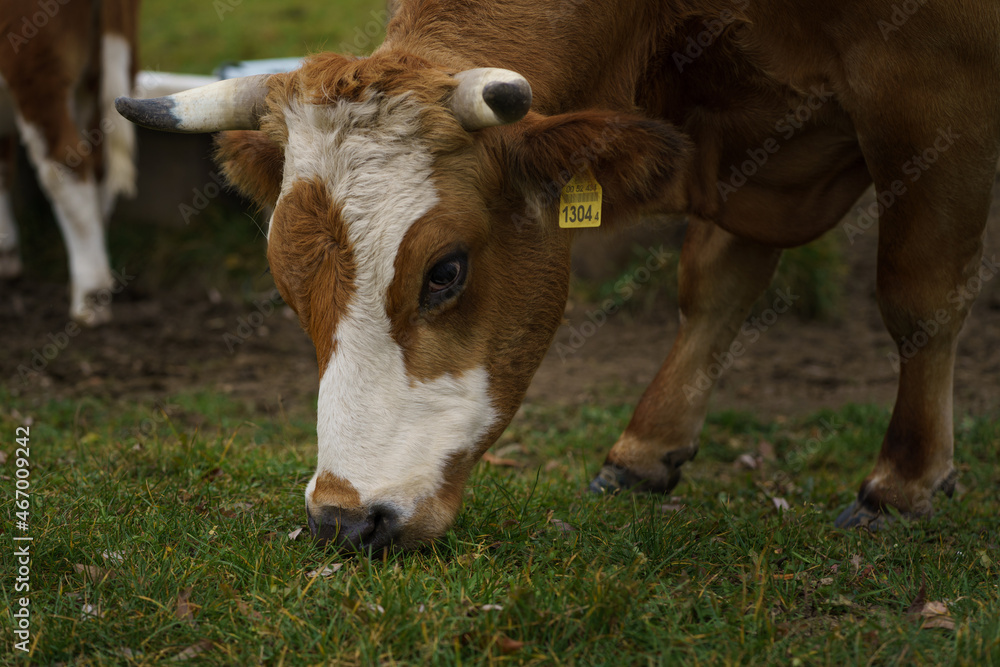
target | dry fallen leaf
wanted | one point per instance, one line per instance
(780, 504)
(748, 461)
(840, 600)
(491, 607)
(294, 535)
(3, 458)
(936, 615)
(826, 581)
(552, 465)
(90, 611)
(856, 561)
(495, 460)
(184, 611)
(94, 573)
(194, 650)
(508, 645)
(116, 557)
(562, 526)
(933, 614)
(326, 571)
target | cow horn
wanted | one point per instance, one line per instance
(486, 97)
(232, 104)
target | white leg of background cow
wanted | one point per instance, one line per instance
(10, 255)
(119, 140)
(76, 204)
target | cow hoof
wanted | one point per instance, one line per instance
(92, 314)
(10, 264)
(860, 515)
(612, 479)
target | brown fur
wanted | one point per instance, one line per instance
(252, 163)
(332, 491)
(313, 263)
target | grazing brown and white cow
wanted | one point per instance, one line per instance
(62, 64)
(415, 207)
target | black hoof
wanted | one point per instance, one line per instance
(612, 479)
(860, 515)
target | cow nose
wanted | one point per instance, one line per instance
(358, 529)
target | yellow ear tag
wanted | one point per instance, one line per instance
(580, 202)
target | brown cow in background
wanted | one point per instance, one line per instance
(62, 64)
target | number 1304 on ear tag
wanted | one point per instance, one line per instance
(580, 202)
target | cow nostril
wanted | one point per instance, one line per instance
(355, 529)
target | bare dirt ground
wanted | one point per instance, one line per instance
(162, 342)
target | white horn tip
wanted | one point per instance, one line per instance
(486, 97)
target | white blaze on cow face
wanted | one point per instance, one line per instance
(389, 435)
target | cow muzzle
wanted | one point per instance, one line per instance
(361, 529)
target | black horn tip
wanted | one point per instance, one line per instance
(509, 100)
(155, 114)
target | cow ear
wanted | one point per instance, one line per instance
(252, 163)
(639, 163)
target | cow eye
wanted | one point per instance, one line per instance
(445, 279)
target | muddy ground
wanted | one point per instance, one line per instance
(191, 338)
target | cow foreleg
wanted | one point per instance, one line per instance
(73, 192)
(930, 268)
(10, 254)
(720, 277)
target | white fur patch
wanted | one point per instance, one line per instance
(387, 434)
(119, 146)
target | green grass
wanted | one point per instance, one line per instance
(201, 492)
(196, 36)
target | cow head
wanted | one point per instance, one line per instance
(414, 233)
